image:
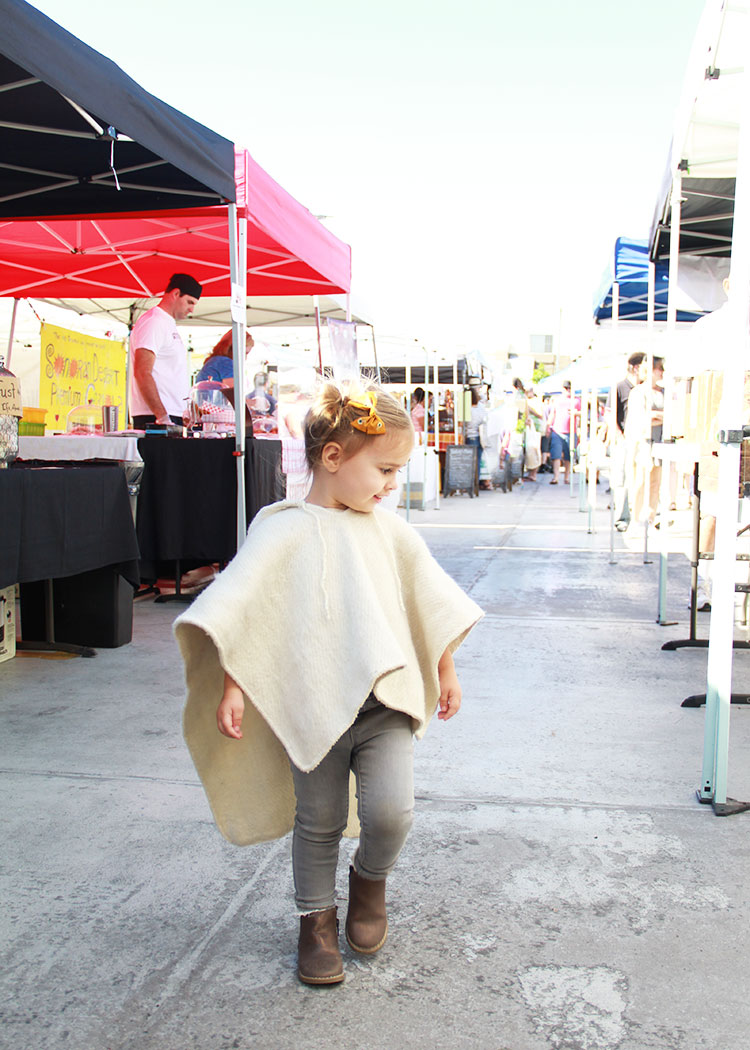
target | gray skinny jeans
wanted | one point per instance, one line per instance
(379, 749)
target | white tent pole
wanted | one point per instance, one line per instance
(437, 430)
(316, 304)
(239, 377)
(408, 465)
(375, 353)
(592, 405)
(613, 399)
(574, 446)
(721, 634)
(348, 307)
(129, 364)
(12, 334)
(674, 269)
(581, 468)
(455, 401)
(674, 252)
(238, 278)
(666, 464)
(426, 426)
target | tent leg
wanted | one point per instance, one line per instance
(12, 334)
(375, 353)
(436, 418)
(664, 544)
(238, 276)
(129, 366)
(316, 304)
(721, 631)
(408, 465)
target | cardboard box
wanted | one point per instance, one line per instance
(7, 623)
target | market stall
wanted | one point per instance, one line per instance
(71, 530)
(186, 488)
(444, 386)
(136, 186)
(703, 202)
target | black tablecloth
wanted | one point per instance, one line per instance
(61, 521)
(187, 504)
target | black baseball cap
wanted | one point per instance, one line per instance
(186, 284)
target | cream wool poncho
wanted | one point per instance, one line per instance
(319, 608)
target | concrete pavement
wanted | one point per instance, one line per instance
(561, 889)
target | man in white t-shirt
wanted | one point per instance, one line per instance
(159, 385)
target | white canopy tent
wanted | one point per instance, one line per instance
(698, 188)
(704, 199)
(270, 311)
(279, 311)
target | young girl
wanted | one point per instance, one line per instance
(327, 645)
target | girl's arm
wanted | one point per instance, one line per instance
(231, 709)
(450, 690)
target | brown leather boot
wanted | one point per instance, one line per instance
(319, 958)
(366, 921)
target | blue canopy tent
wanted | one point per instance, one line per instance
(631, 262)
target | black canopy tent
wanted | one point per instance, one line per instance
(444, 375)
(79, 136)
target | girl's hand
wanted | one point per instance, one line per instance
(450, 689)
(231, 709)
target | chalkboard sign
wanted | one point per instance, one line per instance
(461, 469)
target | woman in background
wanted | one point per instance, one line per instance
(219, 365)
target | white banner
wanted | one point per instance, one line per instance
(343, 337)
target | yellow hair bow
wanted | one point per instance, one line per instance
(369, 422)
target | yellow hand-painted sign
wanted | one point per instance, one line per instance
(78, 369)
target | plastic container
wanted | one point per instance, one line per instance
(84, 419)
(33, 422)
(209, 407)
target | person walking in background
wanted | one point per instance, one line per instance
(330, 671)
(418, 411)
(474, 425)
(261, 401)
(617, 416)
(521, 411)
(546, 467)
(643, 427)
(558, 428)
(477, 418)
(535, 427)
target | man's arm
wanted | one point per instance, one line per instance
(143, 368)
(551, 416)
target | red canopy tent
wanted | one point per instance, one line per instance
(129, 255)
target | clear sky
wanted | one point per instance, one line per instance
(480, 156)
